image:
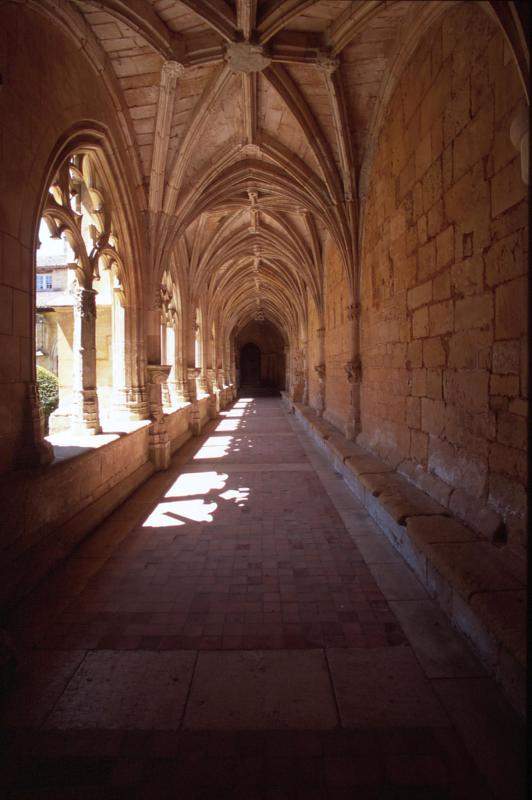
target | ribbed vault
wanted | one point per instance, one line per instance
(251, 127)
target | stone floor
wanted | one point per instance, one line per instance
(240, 628)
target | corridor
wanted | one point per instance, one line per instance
(240, 628)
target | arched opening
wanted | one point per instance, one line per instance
(250, 365)
(259, 348)
(79, 301)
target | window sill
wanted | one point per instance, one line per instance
(70, 444)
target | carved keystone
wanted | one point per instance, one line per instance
(246, 57)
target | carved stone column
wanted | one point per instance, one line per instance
(320, 370)
(195, 421)
(353, 371)
(85, 411)
(159, 441)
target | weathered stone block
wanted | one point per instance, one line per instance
(419, 446)
(427, 260)
(510, 309)
(474, 142)
(467, 389)
(476, 514)
(470, 349)
(423, 156)
(505, 260)
(457, 466)
(420, 295)
(420, 322)
(445, 247)
(432, 416)
(456, 115)
(508, 496)
(441, 286)
(434, 384)
(433, 352)
(507, 188)
(467, 276)
(507, 385)
(505, 358)
(414, 355)
(425, 481)
(432, 185)
(419, 383)
(440, 318)
(467, 203)
(473, 312)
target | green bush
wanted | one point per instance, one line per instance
(48, 387)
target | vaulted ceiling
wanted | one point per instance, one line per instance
(249, 122)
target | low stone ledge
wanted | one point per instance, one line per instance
(381, 482)
(341, 448)
(460, 569)
(470, 567)
(363, 464)
(504, 613)
(477, 515)
(424, 530)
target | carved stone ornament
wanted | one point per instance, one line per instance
(246, 57)
(354, 370)
(326, 63)
(320, 371)
(173, 69)
(252, 150)
(158, 373)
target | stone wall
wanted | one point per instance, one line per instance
(41, 99)
(444, 286)
(47, 512)
(178, 426)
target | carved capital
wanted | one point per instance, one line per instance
(353, 370)
(246, 57)
(172, 70)
(326, 63)
(158, 373)
(84, 301)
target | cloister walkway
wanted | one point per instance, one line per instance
(240, 628)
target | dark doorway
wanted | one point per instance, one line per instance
(250, 365)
